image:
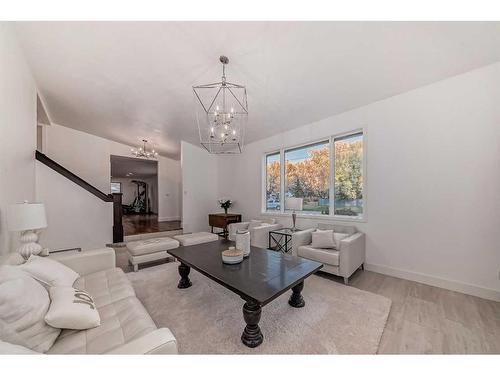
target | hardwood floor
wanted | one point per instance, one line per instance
(138, 224)
(426, 319)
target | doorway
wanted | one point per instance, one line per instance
(137, 180)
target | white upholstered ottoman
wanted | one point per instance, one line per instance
(149, 250)
(196, 238)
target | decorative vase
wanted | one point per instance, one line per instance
(243, 242)
(225, 211)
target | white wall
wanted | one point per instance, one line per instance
(433, 176)
(169, 190)
(199, 187)
(17, 131)
(88, 156)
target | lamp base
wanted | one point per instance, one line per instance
(29, 244)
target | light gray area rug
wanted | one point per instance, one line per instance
(207, 318)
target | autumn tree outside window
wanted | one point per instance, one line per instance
(317, 173)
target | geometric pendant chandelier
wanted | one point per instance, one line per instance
(221, 113)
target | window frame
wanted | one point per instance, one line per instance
(312, 215)
(264, 185)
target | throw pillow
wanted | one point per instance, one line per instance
(71, 308)
(23, 305)
(254, 224)
(337, 237)
(49, 272)
(323, 239)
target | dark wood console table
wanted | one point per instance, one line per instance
(222, 221)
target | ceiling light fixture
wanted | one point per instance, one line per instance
(142, 152)
(221, 114)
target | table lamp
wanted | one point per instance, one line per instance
(294, 204)
(27, 218)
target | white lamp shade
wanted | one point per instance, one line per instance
(26, 216)
(294, 203)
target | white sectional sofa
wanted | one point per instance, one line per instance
(126, 327)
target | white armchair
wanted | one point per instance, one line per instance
(259, 231)
(342, 261)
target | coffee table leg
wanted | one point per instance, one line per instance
(296, 299)
(184, 282)
(252, 336)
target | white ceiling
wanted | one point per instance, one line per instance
(132, 80)
(133, 167)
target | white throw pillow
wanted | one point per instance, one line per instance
(49, 272)
(254, 224)
(323, 239)
(23, 305)
(71, 308)
(337, 237)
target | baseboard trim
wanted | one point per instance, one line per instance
(454, 285)
(169, 218)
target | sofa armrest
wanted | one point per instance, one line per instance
(300, 238)
(259, 236)
(352, 254)
(87, 261)
(160, 341)
(232, 228)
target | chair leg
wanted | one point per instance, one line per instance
(362, 266)
(346, 280)
(136, 267)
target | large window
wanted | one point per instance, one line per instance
(313, 174)
(307, 175)
(273, 185)
(348, 167)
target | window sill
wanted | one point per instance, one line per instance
(316, 217)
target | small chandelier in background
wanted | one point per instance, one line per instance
(221, 113)
(142, 151)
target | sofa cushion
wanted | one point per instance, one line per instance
(326, 256)
(153, 245)
(8, 348)
(106, 287)
(23, 305)
(196, 238)
(49, 272)
(348, 229)
(121, 322)
(72, 309)
(11, 259)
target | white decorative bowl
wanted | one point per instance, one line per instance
(232, 256)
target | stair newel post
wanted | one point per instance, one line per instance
(117, 218)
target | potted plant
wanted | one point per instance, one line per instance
(225, 204)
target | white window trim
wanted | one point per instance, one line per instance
(331, 216)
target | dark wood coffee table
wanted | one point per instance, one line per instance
(259, 279)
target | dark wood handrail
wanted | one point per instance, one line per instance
(116, 198)
(73, 177)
